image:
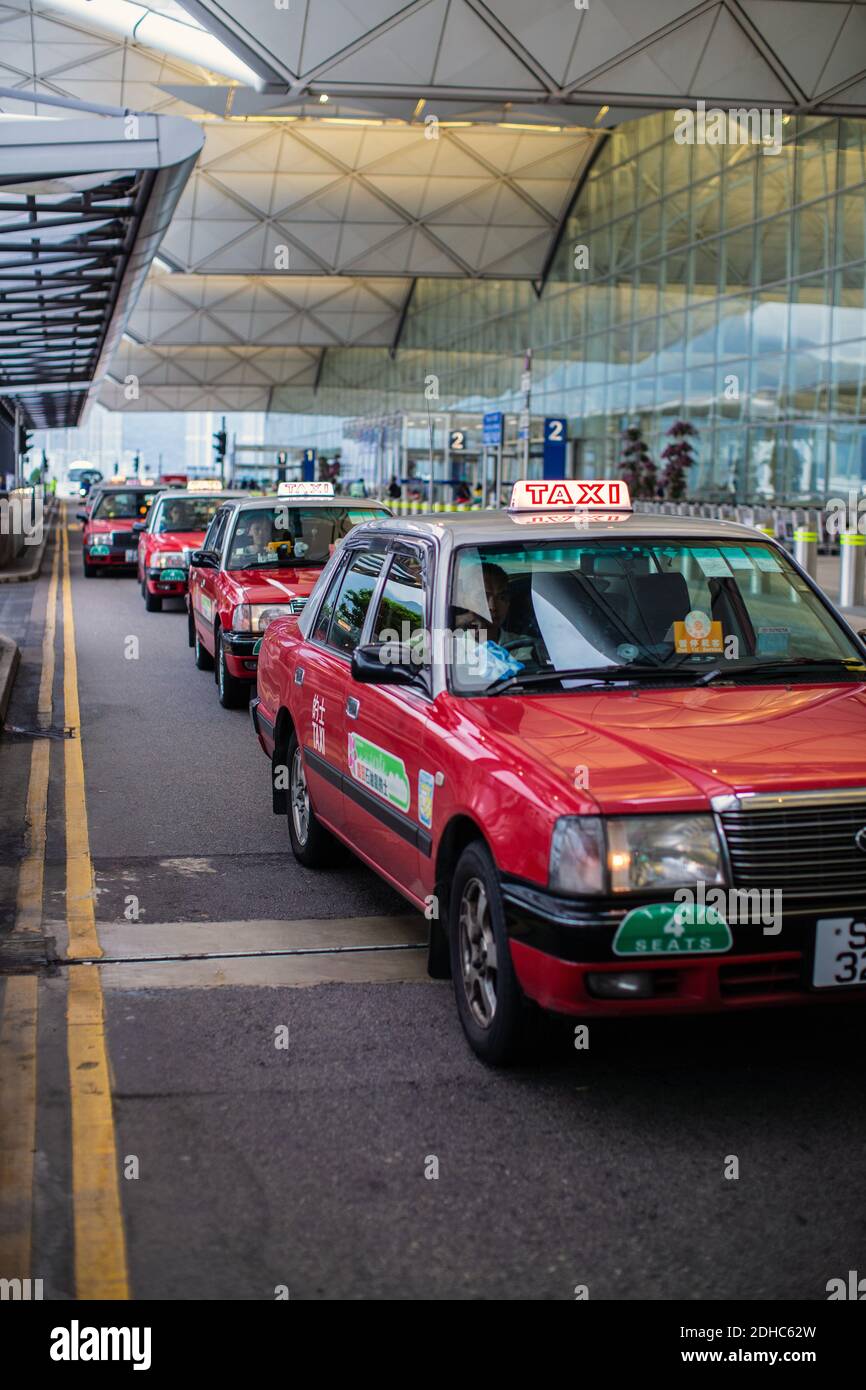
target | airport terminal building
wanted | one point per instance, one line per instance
(717, 283)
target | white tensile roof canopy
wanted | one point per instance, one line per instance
(353, 146)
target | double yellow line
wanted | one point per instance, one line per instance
(100, 1245)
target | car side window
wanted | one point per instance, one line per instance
(400, 615)
(323, 620)
(353, 600)
(216, 531)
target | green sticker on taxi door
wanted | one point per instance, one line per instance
(669, 929)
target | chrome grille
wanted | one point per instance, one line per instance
(124, 539)
(805, 847)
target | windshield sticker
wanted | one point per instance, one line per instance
(663, 929)
(774, 641)
(426, 785)
(766, 561)
(380, 771)
(697, 634)
(713, 564)
(737, 559)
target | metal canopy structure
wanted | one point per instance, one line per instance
(83, 206)
(352, 147)
(465, 56)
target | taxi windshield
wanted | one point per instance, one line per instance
(562, 615)
(122, 506)
(185, 514)
(285, 534)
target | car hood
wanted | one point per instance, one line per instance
(123, 523)
(275, 586)
(176, 540)
(631, 750)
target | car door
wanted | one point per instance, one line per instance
(202, 582)
(322, 672)
(389, 790)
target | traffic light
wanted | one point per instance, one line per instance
(220, 442)
(24, 441)
(136, 464)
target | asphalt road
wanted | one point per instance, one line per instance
(308, 1166)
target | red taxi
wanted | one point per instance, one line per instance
(176, 526)
(619, 760)
(260, 559)
(108, 539)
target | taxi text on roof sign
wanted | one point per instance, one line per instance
(570, 494)
(305, 490)
(203, 484)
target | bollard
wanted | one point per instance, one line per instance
(806, 551)
(852, 550)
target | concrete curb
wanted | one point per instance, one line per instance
(24, 576)
(10, 658)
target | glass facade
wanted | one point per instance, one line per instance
(721, 284)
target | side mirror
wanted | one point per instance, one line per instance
(82, 516)
(203, 560)
(138, 527)
(862, 634)
(385, 664)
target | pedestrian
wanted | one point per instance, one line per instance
(394, 489)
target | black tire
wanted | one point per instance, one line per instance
(312, 845)
(203, 658)
(234, 694)
(190, 628)
(476, 922)
(90, 571)
(152, 602)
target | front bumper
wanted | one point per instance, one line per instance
(558, 944)
(242, 653)
(167, 583)
(116, 558)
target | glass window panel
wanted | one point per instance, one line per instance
(851, 225)
(737, 253)
(813, 237)
(701, 335)
(739, 186)
(849, 316)
(734, 323)
(649, 174)
(852, 152)
(811, 315)
(776, 183)
(770, 323)
(816, 161)
(772, 251)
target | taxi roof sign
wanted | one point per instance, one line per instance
(324, 489)
(570, 494)
(203, 484)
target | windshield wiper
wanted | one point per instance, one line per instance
(783, 664)
(601, 675)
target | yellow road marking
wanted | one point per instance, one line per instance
(100, 1243)
(20, 999)
(80, 914)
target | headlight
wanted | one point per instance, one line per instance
(254, 617)
(662, 852)
(577, 855)
(168, 560)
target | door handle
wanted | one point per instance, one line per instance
(299, 675)
(352, 707)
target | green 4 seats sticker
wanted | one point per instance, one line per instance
(662, 929)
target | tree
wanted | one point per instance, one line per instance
(636, 466)
(679, 457)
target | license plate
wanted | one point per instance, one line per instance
(173, 576)
(840, 953)
(131, 557)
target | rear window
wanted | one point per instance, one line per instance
(123, 506)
